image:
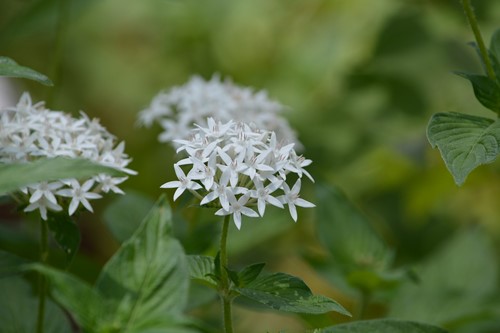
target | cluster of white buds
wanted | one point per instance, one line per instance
(177, 109)
(30, 131)
(235, 166)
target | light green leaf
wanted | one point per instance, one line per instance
(288, 293)
(66, 233)
(486, 90)
(18, 309)
(10, 263)
(465, 141)
(124, 215)
(148, 276)
(84, 303)
(456, 282)
(16, 175)
(354, 245)
(383, 326)
(10, 68)
(201, 269)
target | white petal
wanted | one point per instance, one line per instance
(303, 203)
(237, 219)
(293, 211)
(171, 184)
(178, 192)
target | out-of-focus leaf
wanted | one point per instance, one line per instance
(383, 326)
(16, 175)
(455, 282)
(354, 245)
(10, 68)
(79, 298)
(66, 233)
(10, 263)
(124, 215)
(495, 45)
(18, 309)
(465, 141)
(486, 90)
(202, 269)
(288, 293)
(250, 273)
(148, 276)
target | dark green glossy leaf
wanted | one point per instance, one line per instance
(201, 269)
(18, 307)
(124, 215)
(456, 282)
(383, 326)
(10, 68)
(250, 273)
(486, 90)
(66, 233)
(16, 175)
(148, 276)
(465, 141)
(351, 240)
(288, 293)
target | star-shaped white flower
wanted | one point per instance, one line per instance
(79, 194)
(292, 199)
(237, 208)
(184, 183)
(263, 195)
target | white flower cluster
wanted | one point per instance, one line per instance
(235, 166)
(30, 131)
(177, 109)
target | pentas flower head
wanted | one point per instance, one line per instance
(30, 131)
(239, 169)
(177, 109)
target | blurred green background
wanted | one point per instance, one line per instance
(361, 79)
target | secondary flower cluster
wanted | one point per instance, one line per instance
(30, 131)
(177, 109)
(234, 166)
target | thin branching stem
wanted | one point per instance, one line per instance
(471, 17)
(42, 280)
(225, 283)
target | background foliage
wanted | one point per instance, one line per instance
(362, 80)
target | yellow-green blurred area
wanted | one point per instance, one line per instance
(361, 79)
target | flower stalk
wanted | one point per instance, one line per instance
(225, 284)
(42, 280)
(471, 17)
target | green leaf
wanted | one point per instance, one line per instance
(288, 293)
(383, 326)
(85, 304)
(124, 215)
(201, 269)
(10, 68)
(148, 276)
(486, 90)
(250, 273)
(18, 309)
(465, 141)
(495, 45)
(354, 245)
(10, 263)
(456, 282)
(66, 233)
(16, 175)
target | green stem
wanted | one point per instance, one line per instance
(42, 281)
(471, 17)
(60, 37)
(363, 304)
(225, 284)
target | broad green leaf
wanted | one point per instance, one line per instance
(148, 276)
(201, 269)
(10, 263)
(486, 90)
(66, 233)
(250, 273)
(18, 309)
(354, 245)
(84, 303)
(495, 45)
(10, 68)
(288, 293)
(456, 282)
(465, 141)
(382, 326)
(16, 175)
(124, 215)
